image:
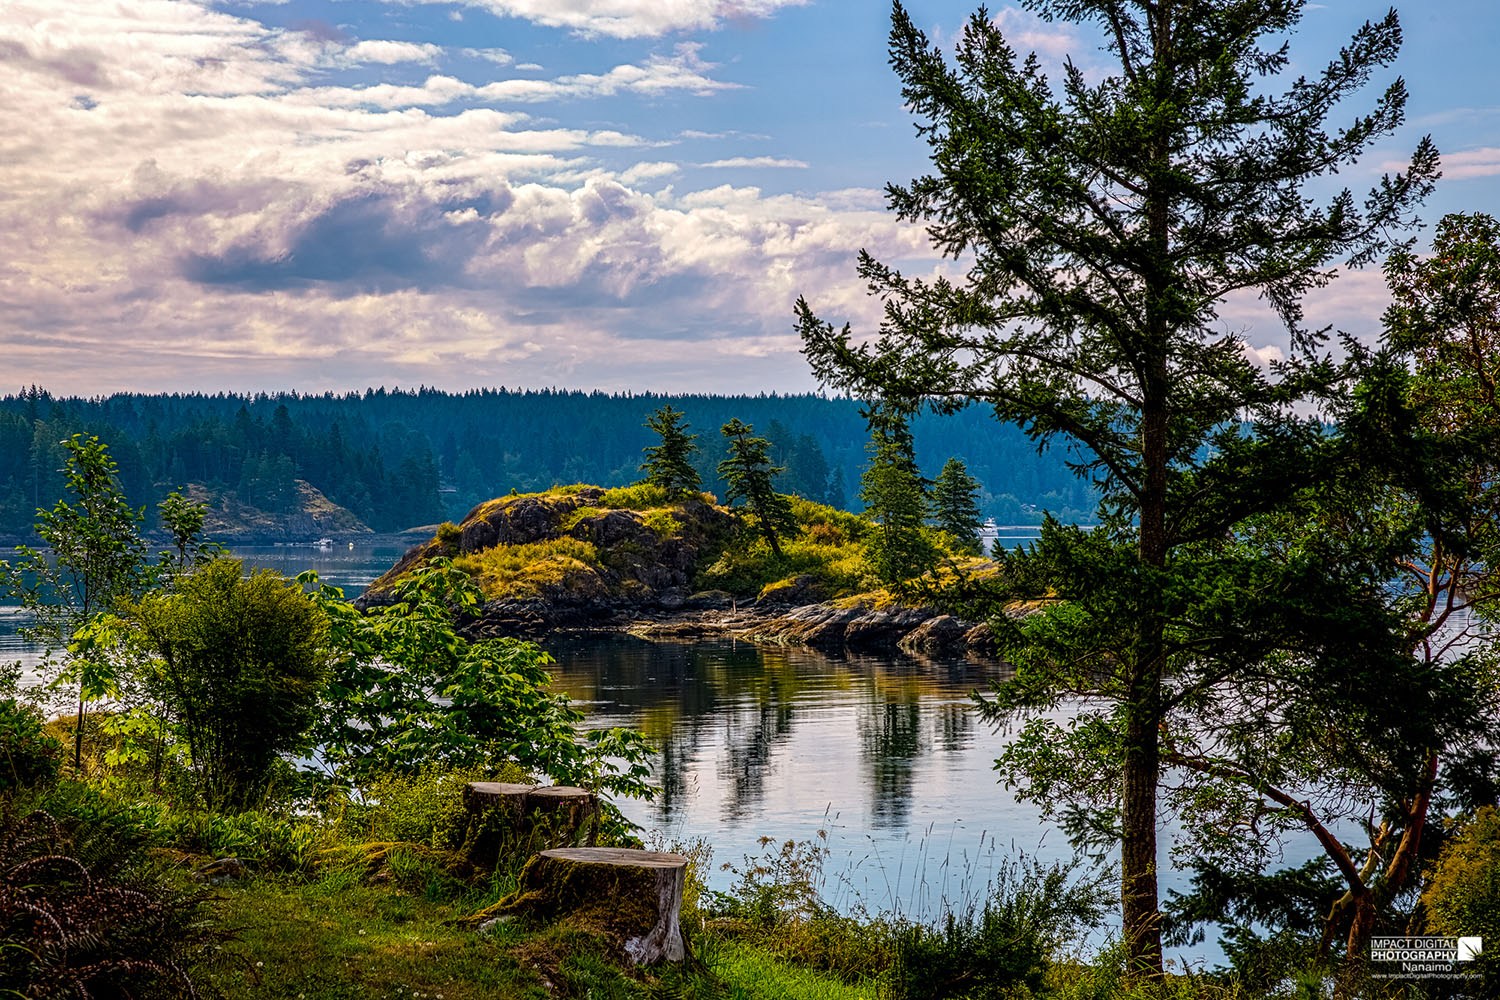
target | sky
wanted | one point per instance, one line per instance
(626, 195)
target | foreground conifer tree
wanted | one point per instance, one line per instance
(1102, 225)
(895, 499)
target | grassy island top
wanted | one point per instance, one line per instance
(582, 542)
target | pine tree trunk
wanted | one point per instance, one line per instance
(1138, 881)
(1141, 766)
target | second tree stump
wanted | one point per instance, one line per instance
(504, 817)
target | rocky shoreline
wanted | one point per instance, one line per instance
(828, 627)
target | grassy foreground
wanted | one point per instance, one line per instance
(367, 899)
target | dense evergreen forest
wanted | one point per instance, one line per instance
(399, 458)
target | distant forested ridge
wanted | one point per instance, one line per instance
(400, 458)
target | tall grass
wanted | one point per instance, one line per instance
(531, 570)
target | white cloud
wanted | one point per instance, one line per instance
(1263, 356)
(648, 171)
(499, 57)
(757, 162)
(631, 18)
(389, 53)
(1464, 165)
(682, 71)
(1026, 32)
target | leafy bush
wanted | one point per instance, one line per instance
(409, 691)
(269, 842)
(69, 928)
(241, 663)
(1009, 943)
(425, 806)
(783, 884)
(28, 754)
(100, 827)
(448, 537)
(1463, 892)
(777, 900)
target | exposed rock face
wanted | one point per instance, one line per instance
(312, 515)
(883, 629)
(520, 521)
(980, 641)
(940, 636)
(820, 626)
(629, 563)
(917, 631)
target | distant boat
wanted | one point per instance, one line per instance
(323, 543)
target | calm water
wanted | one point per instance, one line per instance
(885, 754)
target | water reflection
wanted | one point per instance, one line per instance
(884, 752)
(756, 712)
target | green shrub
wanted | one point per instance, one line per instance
(1462, 896)
(269, 842)
(99, 825)
(662, 521)
(242, 662)
(783, 884)
(425, 806)
(640, 496)
(1005, 945)
(448, 537)
(777, 902)
(28, 754)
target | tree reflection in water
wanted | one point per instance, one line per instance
(768, 736)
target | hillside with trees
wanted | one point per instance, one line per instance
(396, 458)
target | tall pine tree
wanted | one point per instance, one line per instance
(895, 499)
(955, 505)
(752, 478)
(669, 463)
(1101, 222)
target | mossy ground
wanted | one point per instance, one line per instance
(334, 938)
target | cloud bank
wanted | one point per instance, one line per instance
(197, 199)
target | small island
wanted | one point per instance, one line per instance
(632, 559)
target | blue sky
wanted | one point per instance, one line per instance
(615, 194)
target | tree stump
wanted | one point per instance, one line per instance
(633, 896)
(504, 816)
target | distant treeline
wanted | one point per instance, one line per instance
(401, 458)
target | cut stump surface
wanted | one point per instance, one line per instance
(635, 896)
